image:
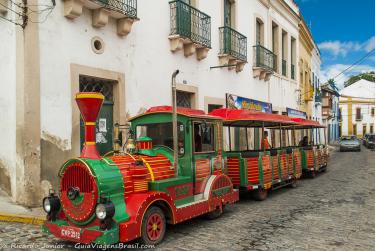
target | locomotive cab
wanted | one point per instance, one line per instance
(199, 147)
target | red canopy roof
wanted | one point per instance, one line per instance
(248, 117)
(307, 122)
(180, 110)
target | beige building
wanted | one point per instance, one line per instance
(306, 47)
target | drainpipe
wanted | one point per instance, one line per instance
(174, 122)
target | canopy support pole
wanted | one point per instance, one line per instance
(261, 143)
(280, 136)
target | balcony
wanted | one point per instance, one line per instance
(124, 11)
(327, 102)
(190, 29)
(283, 67)
(292, 71)
(233, 48)
(264, 62)
(309, 93)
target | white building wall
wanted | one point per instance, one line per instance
(144, 57)
(367, 118)
(316, 78)
(362, 95)
(8, 101)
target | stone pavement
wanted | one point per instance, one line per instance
(334, 211)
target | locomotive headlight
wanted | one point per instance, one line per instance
(46, 205)
(51, 204)
(104, 211)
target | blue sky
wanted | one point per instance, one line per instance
(344, 31)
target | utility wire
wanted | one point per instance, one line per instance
(357, 62)
(10, 9)
(353, 65)
(24, 15)
(16, 4)
(45, 17)
(9, 20)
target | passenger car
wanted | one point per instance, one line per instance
(349, 143)
(369, 141)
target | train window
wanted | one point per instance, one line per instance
(240, 138)
(204, 139)
(162, 134)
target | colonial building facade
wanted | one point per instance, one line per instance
(306, 47)
(315, 77)
(128, 50)
(357, 108)
(330, 111)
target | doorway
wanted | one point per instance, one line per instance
(104, 123)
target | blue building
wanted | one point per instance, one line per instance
(330, 111)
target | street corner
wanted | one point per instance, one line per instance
(13, 212)
(25, 219)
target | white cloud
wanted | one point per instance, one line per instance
(370, 44)
(339, 48)
(372, 58)
(331, 71)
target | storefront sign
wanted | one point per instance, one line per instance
(295, 113)
(237, 102)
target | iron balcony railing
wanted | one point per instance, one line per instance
(283, 67)
(189, 22)
(292, 71)
(126, 7)
(264, 58)
(233, 43)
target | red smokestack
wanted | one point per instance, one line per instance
(89, 104)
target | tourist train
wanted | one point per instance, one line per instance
(176, 164)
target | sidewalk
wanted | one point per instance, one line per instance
(11, 212)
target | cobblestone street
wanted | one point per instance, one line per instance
(334, 211)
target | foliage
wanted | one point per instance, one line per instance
(332, 83)
(370, 76)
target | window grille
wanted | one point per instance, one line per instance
(92, 84)
(184, 99)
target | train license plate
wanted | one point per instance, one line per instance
(69, 232)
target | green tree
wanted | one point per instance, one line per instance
(332, 83)
(370, 76)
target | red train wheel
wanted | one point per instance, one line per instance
(260, 194)
(153, 226)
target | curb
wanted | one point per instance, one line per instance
(34, 220)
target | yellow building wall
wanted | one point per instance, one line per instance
(305, 56)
